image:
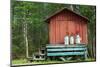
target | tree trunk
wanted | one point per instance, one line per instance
(26, 39)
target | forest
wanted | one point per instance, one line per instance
(28, 28)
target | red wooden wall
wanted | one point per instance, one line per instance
(66, 21)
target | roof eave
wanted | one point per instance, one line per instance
(48, 18)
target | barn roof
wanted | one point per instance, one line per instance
(49, 17)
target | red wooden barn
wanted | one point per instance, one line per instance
(64, 21)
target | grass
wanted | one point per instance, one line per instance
(24, 61)
(19, 61)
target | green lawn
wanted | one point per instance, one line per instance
(24, 61)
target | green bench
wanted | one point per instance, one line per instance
(66, 50)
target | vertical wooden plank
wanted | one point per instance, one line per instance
(49, 24)
(62, 31)
(51, 32)
(77, 26)
(55, 30)
(80, 31)
(54, 33)
(58, 18)
(84, 33)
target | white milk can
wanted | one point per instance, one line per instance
(78, 39)
(71, 39)
(66, 40)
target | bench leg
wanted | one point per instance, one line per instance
(86, 54)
